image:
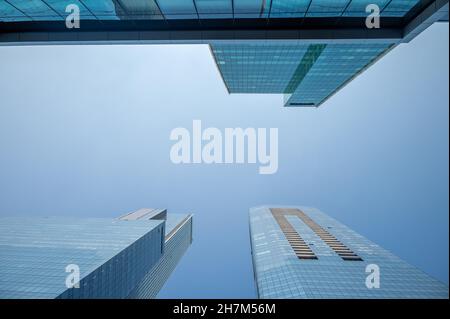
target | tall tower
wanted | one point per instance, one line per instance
(84, 258)
(300, 252)
(306, 50)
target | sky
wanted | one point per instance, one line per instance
(84, 131)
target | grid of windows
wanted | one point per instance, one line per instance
(47, 10)
(258, 67)
(309, 73)
(120, 258)
(178, 239)
(280, 274)
(112, 256)
(337, 64)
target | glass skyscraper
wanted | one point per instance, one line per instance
(300, 252)
(304, 49)
(177, 239)
(307, 74)
(128, 257)
(54, 10)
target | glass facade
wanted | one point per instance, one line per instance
(114, 256)
(178, 239)
(281, 273)
(48, 10)
(258, 67)
(304, 49)
(306, 73)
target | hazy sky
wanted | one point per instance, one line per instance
(84, 131)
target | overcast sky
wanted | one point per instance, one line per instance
(84, 131)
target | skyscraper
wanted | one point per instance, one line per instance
(304, 49)
(177, 239)
(300, 252)
(129, 257)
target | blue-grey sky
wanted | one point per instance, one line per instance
(84, 131)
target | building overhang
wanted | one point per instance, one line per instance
(206, 31)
